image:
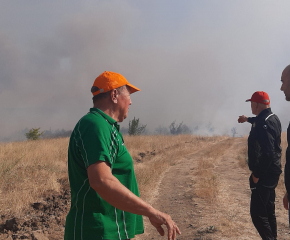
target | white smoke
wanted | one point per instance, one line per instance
(195, 62)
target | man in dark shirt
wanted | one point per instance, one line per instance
(264, 160)
(285, 79)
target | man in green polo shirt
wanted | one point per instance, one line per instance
(105, 201)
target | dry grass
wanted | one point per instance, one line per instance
(28, 169)
(207, 187)
(168, 150)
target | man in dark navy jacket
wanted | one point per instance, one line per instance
(285, 79)
(264, 160)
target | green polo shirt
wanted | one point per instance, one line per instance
(96, 137)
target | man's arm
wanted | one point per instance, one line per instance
(244, 118)
(112, 191)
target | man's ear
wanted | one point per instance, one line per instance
(114, 95)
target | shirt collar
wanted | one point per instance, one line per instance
(107, 117)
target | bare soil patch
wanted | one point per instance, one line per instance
(44, 220)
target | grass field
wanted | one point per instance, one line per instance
(31, 170)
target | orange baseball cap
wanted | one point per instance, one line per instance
(108, 81)
(260, 97)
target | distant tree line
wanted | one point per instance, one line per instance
(57, 133)
(134, 128)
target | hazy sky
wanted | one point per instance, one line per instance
(195, 61)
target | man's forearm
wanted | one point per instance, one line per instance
(115, 193)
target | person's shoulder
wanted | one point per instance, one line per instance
(272, 118)
(270, 122)
(261, 121)
(92, 121)
(91, 117)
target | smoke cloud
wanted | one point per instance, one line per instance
(195, 62)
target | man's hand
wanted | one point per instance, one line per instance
(242, 119)
(255, 180)
(115, 193)
(160, 218)
(286, 201)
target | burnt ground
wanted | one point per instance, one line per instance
(43, 221)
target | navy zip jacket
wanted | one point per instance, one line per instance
(287, 164)
(264, 150)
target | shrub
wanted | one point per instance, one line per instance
(135, 128)
(33, 134)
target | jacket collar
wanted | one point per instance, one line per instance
(265, 113)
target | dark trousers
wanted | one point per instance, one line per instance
(262, 211)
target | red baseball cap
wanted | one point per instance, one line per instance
(108, 81)
(260, 97)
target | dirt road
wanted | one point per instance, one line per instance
(224, 217)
